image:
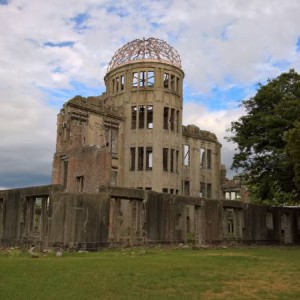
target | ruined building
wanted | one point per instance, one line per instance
(126, 172)
(132, 135)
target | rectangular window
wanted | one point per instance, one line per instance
(149, 116)
(202, 158)
(202, 190)
(114, 141)
(172, 119)
(142, 116)
(65, 173)
(208, 159)
(132, 159)
(140, 158)
(177, 160)
(166, 80)
(111, 139)
(122, 82)
(186, 153)
(113, 86)
(164, 190)
(148, 188)
(135, 79)
(143, 78)
(171, 191)
(186, 187)
(79, 183)
(177, 84)
(177, 121)
(173, 82)
(133, 117)
(172, 160)
(117, 83)
(149, 158)
(150, 79)
(165, 159)
(166, 120)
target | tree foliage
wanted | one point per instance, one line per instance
(267, 139)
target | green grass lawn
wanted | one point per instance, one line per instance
(156, 273)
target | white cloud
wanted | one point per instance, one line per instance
(221, 43)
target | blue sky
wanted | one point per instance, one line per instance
(54, 50)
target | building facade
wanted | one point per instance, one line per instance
(132, 135)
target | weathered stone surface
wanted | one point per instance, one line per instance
(47, 217)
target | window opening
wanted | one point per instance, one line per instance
(177, 121)
(149, 116)
(230, 226)
(172, 119)
(177, 84)
(79, 183)
(202, 157)
(37, 221)
(140, 158)
(164, 190)
(173, 82)
(132, 158)
(143, 78)
(177, 160)
(186, 157)
(208, 159)
(135, 79)
(117, 83)
(165, 159)
(65, 173)
(208, 190)
(142, 116)
(114, 141)
(166, 80)
(122, 82)
(166, 114)
(178, 221)
(133, 117)
(113, 86)
(202, 190)
(186, 187)
(172, 160)
(149, 158)
(150, 79)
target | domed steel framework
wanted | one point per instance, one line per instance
(145, 49)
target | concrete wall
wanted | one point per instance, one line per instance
(48, 217)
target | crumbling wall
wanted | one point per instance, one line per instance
(47, 217)
(24, 215)
(79, 221)
(82, 170)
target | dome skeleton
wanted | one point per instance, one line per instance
(145, 49)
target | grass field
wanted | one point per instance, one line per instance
(156, 273)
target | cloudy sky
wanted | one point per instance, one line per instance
(52, 50)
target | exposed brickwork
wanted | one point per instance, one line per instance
(88, 169)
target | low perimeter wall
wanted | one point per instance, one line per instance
(48, 217)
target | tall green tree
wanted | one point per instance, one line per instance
(262, 137)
